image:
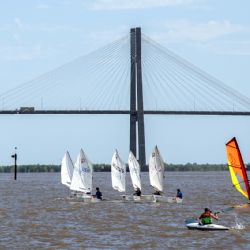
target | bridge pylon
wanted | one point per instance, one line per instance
(137, 130)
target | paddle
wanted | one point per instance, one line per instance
(224, 210)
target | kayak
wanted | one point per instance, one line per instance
(208, 227)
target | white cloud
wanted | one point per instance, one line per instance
(18, 22)
(52, 28)
(42, 6)
(5, 27)
(219, 37)
(17, 37)
(234, 48)
(20, 53)
(106, 36)
(43, 27)
(183, 30)
(136, 4)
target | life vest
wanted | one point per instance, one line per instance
(179, 195)
(206, 218)
(98, 195)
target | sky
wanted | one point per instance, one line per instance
(37, 36)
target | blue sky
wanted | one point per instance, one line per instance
(38, 36)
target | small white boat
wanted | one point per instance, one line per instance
(135, 174)
(67, 167)
(156, 170)
(142, 198)
(134, 170)
(160, 198)
(118, 173)
(81, 182)
(208, 227)
(156, 177)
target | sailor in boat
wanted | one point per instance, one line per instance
(137, 192)
(207, 216)
(98, 194)
(157, 192)
(179, 194)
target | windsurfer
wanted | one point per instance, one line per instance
(137, 192)
(237, 168)
(207, 216)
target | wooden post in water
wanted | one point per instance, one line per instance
(15, 163)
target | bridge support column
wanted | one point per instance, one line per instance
(136, 97)
(133, 113)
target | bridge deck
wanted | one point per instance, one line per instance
(120, 112)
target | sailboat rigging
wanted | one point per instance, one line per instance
(118, 173)
(82, 177)
(135, 171)
(135, 174)
(67, 167)
(156, 170)
(156, 176)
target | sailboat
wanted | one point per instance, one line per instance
(67, 167)
(156, 170)
(156, 173)
(237, 168)
(134, 169)
(82, 177)
(118, 173)
(156, 177)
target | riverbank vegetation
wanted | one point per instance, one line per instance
(106, 168)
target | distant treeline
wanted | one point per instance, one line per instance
(106, 168)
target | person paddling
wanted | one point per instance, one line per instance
(207, 216)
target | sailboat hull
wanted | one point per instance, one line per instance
(159, 198)
(83, 198)
(142, 198)
(151, 198)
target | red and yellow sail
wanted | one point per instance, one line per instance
(237, 168)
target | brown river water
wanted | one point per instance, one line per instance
(36, 214)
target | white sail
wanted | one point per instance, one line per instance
(82, 174)
(134, 169)
(67, 167)
(118, 173)
(156, 170)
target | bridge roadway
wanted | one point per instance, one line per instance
(120, 112)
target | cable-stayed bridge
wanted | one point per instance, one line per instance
(133, 76)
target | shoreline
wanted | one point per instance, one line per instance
(189, 167)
